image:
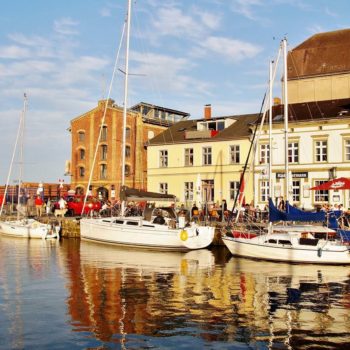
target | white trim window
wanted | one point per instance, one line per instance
(234, 154)
(347, 150)
(188, 195)
(188, 156)
(296, 190)
(234, 189)
(163, 158)
(321, 195)
(321, 151)
(207, 156)
(163, 187)
(264, 191)
(264, 153)
(293, 152)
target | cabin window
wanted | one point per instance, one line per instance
(133, 223)
(284, 242)
(274, 241)
(121, 222)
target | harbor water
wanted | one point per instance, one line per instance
(73, 294)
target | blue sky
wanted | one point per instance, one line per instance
(186, 53)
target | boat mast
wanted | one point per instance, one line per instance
(271, 194)
(21, 152)
(285, 95)
(125, 99)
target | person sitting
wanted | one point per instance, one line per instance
(159, 219)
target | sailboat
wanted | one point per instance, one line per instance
(146, 230)
(295, 243)
(23, 226)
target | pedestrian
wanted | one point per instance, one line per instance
(39, 205)
(48, 206)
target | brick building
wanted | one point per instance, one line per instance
(144, 121)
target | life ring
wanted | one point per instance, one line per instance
(183, 235)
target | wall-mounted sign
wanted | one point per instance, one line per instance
(296, 175)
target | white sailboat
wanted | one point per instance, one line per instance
(144, 231)
(288, 243)
(23, 226)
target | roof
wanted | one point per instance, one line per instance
(176, 133)
(317, 110)
(321, 54)
(169, 110)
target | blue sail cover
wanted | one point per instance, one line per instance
(275, 214)
(294, 214)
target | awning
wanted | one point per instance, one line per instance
(341, 183)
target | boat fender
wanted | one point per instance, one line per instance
(319, 252)
(183, 235)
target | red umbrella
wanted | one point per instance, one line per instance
(337, 184)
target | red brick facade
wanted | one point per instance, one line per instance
(106, 175)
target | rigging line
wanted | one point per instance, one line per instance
(103, 117)
(19, 133)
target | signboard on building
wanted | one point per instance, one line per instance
(296, 175)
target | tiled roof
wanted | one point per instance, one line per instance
(321, 54)
(176, 133)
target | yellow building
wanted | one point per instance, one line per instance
(319, 68)
(201, 160)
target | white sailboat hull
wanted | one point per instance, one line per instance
(325, 252)
(137, 232)
(28, 229)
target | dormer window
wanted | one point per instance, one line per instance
(213, 125)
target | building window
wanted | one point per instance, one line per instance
(81, 171)
(104, 133)
(207, 156)
(188, 191)
(82, 154)
(163, 188)
(188, 156)
(127, 133)
(103, 171)
(264, 191)
(321, 151)
(234, 189)
(163, 158)
(127, 151)
(264, 154)
(103, 152)
(234, 154)
(81, 136)
(347, 150)
(320, 195)
(293, 152)
(127, 169)
(296, 190)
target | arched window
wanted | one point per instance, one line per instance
(104, 133)
(127, 151)
(103, 152)
(81, 171)
(81, 136)
(103, 171)
(127, 133)
(127, 170)
(81, 154)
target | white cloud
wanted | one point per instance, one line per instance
(14, 52)
(66, 26)
(231, 49)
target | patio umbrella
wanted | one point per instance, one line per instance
(341, 183)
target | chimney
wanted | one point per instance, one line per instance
(276, 101)
(207, 111)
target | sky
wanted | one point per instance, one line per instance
(183, 54)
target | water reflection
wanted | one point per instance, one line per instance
(98, 296)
